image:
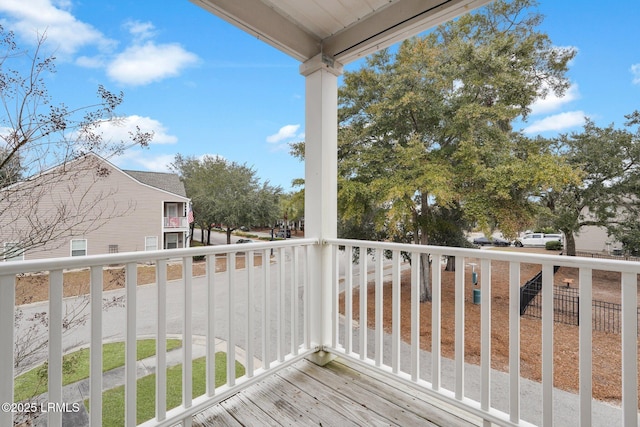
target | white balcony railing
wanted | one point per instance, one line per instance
(176, 222)
(253, 297)
(256, 299)
(380, 344)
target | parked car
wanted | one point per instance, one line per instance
(281, 234)
(493, 241)
(537, 239)
(244, 241)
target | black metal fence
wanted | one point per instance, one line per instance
(604, 255)
(605, 316)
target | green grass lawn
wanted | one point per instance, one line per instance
(113, 400)
(75, 366)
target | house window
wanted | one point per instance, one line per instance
(150, 243)
(12, 252)
(171, 241)
(79, 247)
(113, 249)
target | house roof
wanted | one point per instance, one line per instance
(340, 30)
(164, 181)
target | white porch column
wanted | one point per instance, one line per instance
(321, 188)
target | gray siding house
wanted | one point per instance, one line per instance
(92, 207)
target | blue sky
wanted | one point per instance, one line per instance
(205, 87)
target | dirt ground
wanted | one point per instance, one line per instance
(606, 378)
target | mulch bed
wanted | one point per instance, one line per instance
(35, 287)
(606, 377)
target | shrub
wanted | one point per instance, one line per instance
(554, 245)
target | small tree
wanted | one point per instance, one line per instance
(226, 193)
(608, 160)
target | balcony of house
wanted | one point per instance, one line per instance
(175, 215)
(331, 333)
(176, 222)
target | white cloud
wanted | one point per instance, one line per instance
(120, 130)
(140, 30)
(141, 63)
(64, 33)
(635, 70)
(552, 102)
(557, 122)
(150, 62)
(285, 132)
(143, 160)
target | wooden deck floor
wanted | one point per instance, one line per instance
(340, 394)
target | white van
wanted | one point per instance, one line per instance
(537, 239)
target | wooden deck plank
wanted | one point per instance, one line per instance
(357, 412)
(242, 408)
(438, 412)
(215, 416)
(342, 393)
(396, 411)
(276, 396)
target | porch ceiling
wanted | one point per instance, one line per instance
(344, 30)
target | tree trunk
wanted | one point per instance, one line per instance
(229, 230)
(423, 239)
(451, 264)
(569, 244)
(425, 278)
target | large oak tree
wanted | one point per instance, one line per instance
(427, 129)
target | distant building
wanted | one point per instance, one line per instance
(94, 208)
(596, 239)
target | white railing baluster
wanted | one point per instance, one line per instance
(307, 301)
(436, 330)
(585, 340)
(55, 345)
(348, 298)
(363, 303)
(7, 338)
(266, 309)
(547, 343)
(514, 342)
(335, 317)
(250, 261)
(231, 304)
(211, 326)
(485, 336)
(459, 327)
(293, 289)
(379, 332)
(161, 340)
(95, 363)
(281, 305)
(130, 344)
(415, 316)
(629, 349)
(187, 335)
(395, 314)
